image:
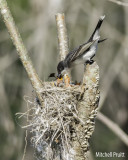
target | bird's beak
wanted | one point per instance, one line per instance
(52, 75)
(59, 76)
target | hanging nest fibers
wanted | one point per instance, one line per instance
(51, 125)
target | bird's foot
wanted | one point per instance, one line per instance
(90, 62)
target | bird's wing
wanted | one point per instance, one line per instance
(79, 51)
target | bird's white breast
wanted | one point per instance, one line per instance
(87, 56)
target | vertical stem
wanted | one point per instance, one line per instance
(87, 111)
(22, 52)
(62, 35)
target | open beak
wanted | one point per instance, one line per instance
(59, 76)
(52, 75)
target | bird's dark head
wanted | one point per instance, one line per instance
(60, 69)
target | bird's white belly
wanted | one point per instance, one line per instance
(85, 57)
(89, 55)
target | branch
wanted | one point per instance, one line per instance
(87, 109)
(22, 52)
(125, 4)
(114, 127)
(62, 35)
(63, 43)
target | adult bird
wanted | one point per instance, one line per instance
(81, 55)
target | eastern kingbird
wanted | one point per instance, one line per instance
(81, 55)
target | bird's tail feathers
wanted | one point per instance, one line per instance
(102, 17)
(96, 31)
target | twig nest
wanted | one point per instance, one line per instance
(61, 128)
(51, 124)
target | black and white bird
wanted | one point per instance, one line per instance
(83, 54)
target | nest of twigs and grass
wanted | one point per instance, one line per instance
(51, 125)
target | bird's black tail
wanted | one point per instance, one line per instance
(96, 31)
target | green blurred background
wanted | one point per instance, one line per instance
(36, 22)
